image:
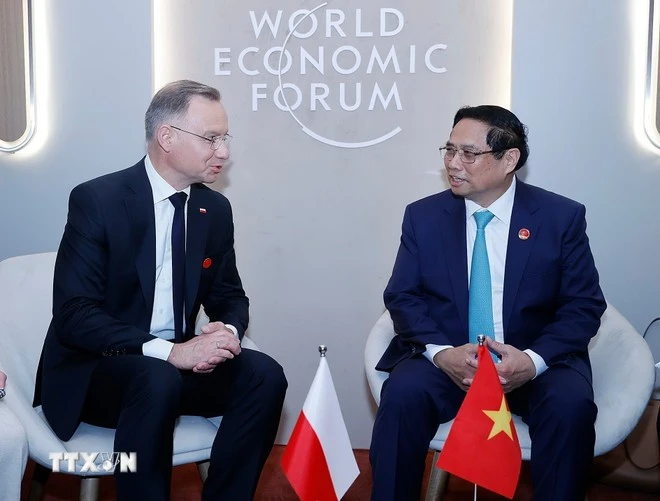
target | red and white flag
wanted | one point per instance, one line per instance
(319, 460)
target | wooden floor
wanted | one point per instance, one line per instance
(186, 485)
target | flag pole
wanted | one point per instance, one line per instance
(481, 339)
(322, 350)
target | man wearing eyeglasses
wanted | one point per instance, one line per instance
(527, 250)
(142, 250)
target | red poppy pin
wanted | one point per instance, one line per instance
(523, 234)
(207, 263)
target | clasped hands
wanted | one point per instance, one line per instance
(203, 353)
(460, 364)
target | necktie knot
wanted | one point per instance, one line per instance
(483, 218)
(178, 200)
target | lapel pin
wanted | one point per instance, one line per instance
(207, 263)
(523, 234)
(202, 210)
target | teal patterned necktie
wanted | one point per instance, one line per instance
(480, 310)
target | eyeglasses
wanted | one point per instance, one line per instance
(466, 156)
(215, 141)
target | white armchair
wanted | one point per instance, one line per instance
(623, 377)
(26, 284)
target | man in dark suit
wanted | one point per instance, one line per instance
(142, 249)
(543, 303)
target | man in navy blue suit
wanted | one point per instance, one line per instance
(121, 350)
(546, 305)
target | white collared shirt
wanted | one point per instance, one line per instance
(497, 240)
(162, 316)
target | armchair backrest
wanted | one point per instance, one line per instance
(26, 290)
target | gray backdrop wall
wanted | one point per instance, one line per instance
(574, 87)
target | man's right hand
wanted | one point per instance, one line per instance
(205, 351)
(455, 362)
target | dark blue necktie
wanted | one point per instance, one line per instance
(480, 314)
(178, 200)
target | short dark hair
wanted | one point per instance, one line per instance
(172, 101)
(506, 130)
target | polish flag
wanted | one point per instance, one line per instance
(319, 460)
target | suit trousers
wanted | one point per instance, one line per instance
(142, 396)
(417, 397)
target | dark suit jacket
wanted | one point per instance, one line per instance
(552, 300)
(104, 282)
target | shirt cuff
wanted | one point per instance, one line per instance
(157, 348)
(232, 328)
(433, 349)
(539, 363)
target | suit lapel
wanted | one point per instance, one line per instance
(197, 231)
(452, 229)
(523, 216)
(139, 206)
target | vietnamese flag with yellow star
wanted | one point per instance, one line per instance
(482, 446)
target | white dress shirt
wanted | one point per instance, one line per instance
(162, 316)
(497, 239)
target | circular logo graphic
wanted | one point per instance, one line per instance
(309, 131)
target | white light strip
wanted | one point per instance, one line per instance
(507, 56)
(645, 45)
(41, 79)
(28, 79)
(159, 43)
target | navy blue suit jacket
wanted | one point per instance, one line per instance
(105, 276)
(552, 300)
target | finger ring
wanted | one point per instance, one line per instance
(2, 393)
(217, 344)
